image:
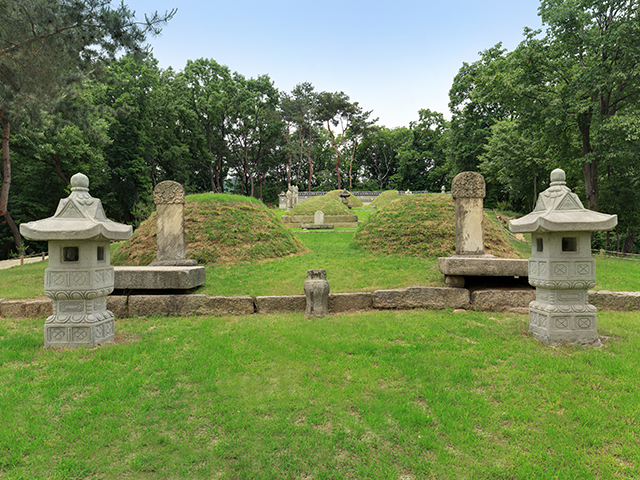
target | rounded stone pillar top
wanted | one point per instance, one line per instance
(168, 192)
(468, 185)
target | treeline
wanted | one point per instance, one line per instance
(132, 125)
(564, 98)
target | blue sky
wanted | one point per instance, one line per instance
(393, 57)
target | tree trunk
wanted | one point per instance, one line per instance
(353, 154)
(15, 231)
(213, 178)
(57, 165)
(627, 247)
(589, 165)
(286, 137)
(6, 163)
(6, 182)
(335, 149)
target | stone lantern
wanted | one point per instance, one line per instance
(80, 275)
(561, 266)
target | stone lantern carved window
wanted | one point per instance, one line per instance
(70, 254)
(569, 244)
(539, 245)
(101, 254)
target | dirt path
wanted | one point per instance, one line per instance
(16, 261)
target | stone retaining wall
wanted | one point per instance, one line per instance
(485, 299)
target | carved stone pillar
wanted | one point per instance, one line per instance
(169, 199)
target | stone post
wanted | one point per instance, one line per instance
(316, 289)
(468, 191)
(169, 199)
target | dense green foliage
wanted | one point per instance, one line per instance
(566, 97)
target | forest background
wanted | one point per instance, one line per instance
(80, 93)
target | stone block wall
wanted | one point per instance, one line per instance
(515, 300)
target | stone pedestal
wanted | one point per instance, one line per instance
(561, 311)
(316, 289)
(78, 286)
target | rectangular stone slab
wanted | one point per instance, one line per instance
(158, 278)
(483, 267)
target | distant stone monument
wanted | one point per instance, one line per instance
(443, 190)
(561, 266)
(291, 197)
(169, 199)
(318, 222)
(316, 289)
(80, 275)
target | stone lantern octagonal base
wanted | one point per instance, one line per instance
(70, 335)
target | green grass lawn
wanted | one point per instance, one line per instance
(381, 395)
(349, 269)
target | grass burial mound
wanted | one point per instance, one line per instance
(353, 200)
(326, 204)
(385, 198)
(424, 225)
(219, 229)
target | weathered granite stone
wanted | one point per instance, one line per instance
(615, 301)
(561, 266)
(316, 290)
(502, 299)
(421, 297)
(159, 278)
(291, 197)
(148, 305)
(80, 275)
(468, 190)
(483, 266)
(318, 217)
(281, 303)
(350, 302)
(118, 305)
(26, 308)
(315, 226)
(335, 220)
(169, 199)
(454, 281)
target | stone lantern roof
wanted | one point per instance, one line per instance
(78, 217)
(560, 210)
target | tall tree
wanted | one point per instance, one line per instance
(207, 90)
(575, 79)
(335, 109)
(254, 128)
(44, 44)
